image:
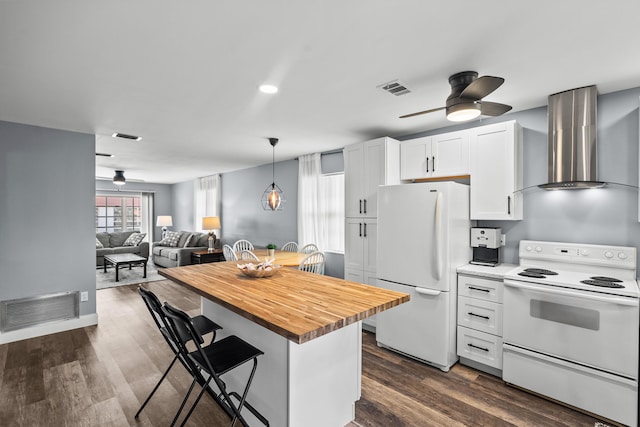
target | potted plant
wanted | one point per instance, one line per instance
(271, 249)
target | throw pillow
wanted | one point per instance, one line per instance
(190, 239)
(134, 239)
(171, 239)
(99, 245)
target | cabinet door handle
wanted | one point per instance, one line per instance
(478, 315)
(360, 227)
(433, 163)
(360, 201)
(365, 208)
(427, 165)
(473, 288)
(479, 348)
(508, 205)
(365, 229)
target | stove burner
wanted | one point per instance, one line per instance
(602, 283)
(531, 274)
(606, 279)
(540, 271)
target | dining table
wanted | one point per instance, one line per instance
(309, 327)
(283, 258)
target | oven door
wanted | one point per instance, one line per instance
(593, 329)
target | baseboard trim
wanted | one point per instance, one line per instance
(49, 328)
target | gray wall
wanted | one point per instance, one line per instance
(242, 214)
(162, 200)
(183, 208)
(47, 213)
(599, 216)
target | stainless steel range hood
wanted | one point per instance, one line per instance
(572, 140)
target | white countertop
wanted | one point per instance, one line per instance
(496, 272)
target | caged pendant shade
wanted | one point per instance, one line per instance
(273, 197)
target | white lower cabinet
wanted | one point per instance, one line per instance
(479, 333)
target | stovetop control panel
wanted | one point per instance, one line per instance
(578, 253)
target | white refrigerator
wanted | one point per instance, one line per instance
(423, 236)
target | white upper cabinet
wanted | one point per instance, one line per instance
(496, 172)
(366, 166)
(435, 156)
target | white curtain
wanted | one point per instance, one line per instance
(207, 199)
(311, 227)
(146, 220)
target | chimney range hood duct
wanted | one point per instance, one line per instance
(572, 140)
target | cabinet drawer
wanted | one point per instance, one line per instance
(479, 346)
(478, 314)
(479, 287)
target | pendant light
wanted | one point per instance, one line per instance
(118, 178)
(273, 198)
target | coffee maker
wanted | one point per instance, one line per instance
(485, 242)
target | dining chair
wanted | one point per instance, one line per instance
(242, 245)
(246, 254)
(229, 253)
(290, 247)
(313, 263)
(215, 360)
(309, 248)
(203, 325)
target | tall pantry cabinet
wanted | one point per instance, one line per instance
(366, 166)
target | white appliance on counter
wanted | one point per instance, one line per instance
(423, 236)
(571, 326)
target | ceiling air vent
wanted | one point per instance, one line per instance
(395, 87)
(125, 136)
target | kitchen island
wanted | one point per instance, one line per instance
(309, 327)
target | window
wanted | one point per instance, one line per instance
(331, 209)
(118, 213)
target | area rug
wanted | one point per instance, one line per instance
(126, 276)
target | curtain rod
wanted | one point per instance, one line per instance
(115, 191)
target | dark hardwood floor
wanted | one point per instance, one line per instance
(98, 376)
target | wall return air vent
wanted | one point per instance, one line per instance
(395, 87)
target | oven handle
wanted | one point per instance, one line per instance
(633, 302)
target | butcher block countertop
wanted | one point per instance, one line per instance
(297, 305)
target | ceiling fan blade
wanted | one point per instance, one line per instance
(422, 112)
(481, 87)
(493, 108)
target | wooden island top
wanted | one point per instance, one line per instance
(297, 305)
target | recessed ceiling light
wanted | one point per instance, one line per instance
(125, 136)
(268, 89)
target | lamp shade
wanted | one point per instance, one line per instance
(164, 221)
(210, 223)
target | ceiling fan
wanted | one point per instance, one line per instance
(465, 101)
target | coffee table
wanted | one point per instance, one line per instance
(123, 259)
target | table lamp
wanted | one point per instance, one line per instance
(210, 223)
(164, 221)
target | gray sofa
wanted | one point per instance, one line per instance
(176, 256)
(113, 243)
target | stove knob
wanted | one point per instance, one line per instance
(608, 254)
(622, 255)
(529, 248)
(583, 252)
(538, 249)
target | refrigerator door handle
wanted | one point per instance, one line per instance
(437, 236)
(430, 292)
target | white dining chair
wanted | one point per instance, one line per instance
(313, 263)
(247, 254)
(309, 248)
(290, 247)
(242, 245)
(228, 253)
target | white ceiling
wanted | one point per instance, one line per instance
(184, 75)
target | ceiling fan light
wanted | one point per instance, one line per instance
(463, 112)
(118, 178)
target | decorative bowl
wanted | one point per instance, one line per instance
(262, 269)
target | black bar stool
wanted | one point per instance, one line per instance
(215, 360)
(202, 324)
